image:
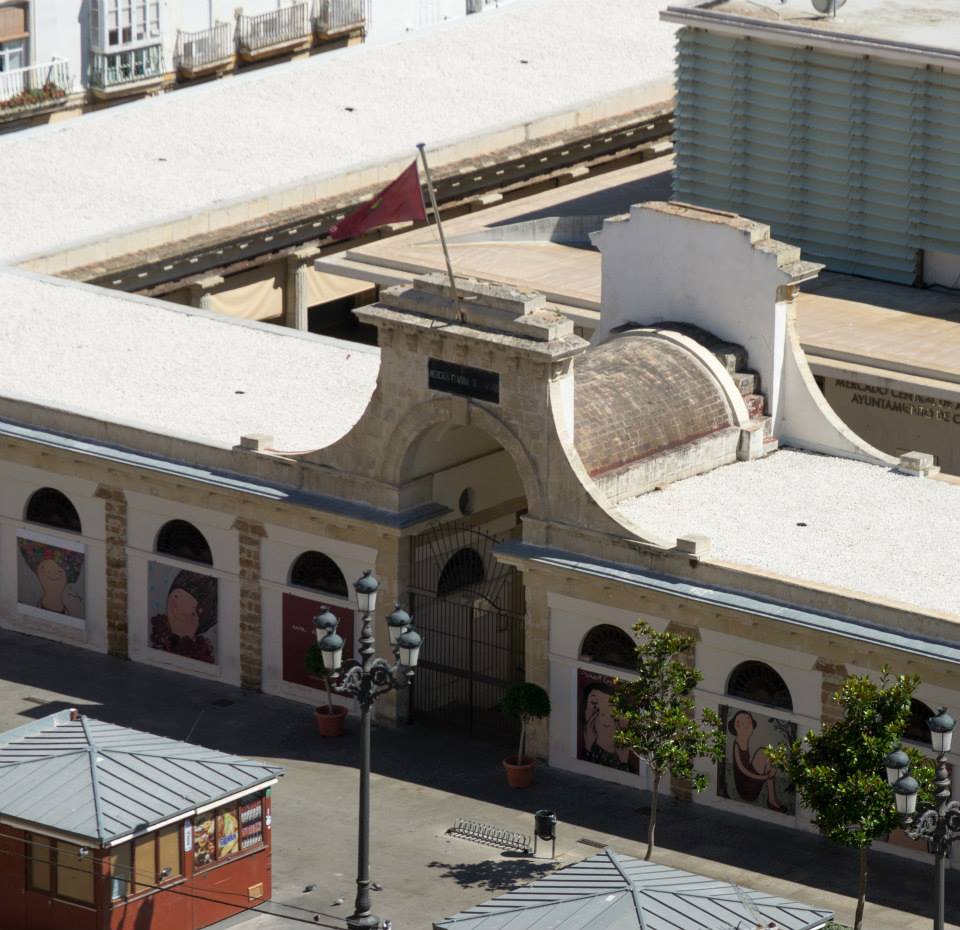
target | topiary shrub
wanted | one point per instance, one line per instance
(525, 702)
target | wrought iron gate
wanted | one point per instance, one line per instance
(469, 609)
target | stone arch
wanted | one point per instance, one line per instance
(607, 644)
(455, 412)
(51, 507)
(759, 682)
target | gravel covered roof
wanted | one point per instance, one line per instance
(819, 519)
(176, 371)
(182, 153)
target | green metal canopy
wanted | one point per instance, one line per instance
(610, 891)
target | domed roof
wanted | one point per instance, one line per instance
(639, 395)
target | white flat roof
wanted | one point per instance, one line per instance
(187, 152)
(829, 521)
(176, 371)
(904, 24)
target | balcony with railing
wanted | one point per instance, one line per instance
(340, 17)
(115, 73)
(35, 88)
(273, 33)
(206, 51)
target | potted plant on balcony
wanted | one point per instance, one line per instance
(329, 717)
(525, 702)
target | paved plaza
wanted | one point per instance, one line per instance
(423, 781)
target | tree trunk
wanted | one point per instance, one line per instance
(329, 695)
(652, 829)
(862, 890)
(523, 733)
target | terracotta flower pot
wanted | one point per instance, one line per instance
(330, 719)
(519, 771)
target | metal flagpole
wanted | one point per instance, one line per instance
(443, 240)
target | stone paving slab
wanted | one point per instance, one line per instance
(423, 781)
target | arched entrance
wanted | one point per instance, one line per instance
(468, 606)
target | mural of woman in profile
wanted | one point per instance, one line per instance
(190, 611)
(598, 727)
(55, 568)
(751, 771)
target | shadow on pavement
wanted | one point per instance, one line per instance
(493, 875)
(231, 720)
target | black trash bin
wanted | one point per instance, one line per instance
(545, 828)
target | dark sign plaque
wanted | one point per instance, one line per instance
(463, 380)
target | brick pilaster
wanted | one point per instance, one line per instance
(249, 534)
(681, 788)
(116, 550)
(832, 678)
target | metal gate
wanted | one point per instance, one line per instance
(469, 609)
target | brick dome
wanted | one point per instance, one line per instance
(637, 397)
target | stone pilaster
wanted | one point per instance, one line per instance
(249, 534)
(201, 292)
(116, 552)
(681, 788)
(832, 677)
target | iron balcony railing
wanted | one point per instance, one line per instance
(474, 6)
(35, 85)
(267, 29)
(340, 15)
(198, 50)
(111, 69)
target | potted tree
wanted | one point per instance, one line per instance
(525, 702)
(329, 717)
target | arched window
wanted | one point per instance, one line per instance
(463, 568)
(319, 572)
(52, 508)
(917, 730)
(183, 540)
(609, 645)
(756, 681)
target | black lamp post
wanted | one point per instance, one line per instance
(939, 826)
(366, 679)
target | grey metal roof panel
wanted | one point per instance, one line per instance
(101, 781)
(860, 630)
(610, 891)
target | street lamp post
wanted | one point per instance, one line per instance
(939, 826)
(366, 680)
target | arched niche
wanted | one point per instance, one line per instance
(609, 645)
(182, 540)
(318, 572)
(759, 682)
(50, 507)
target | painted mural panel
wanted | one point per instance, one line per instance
(596, 726)
(298, 636)
(746, 773)
(50, 576)
(183, 612)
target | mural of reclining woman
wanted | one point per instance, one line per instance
(56, 569)
(190, 611)
(751, 771)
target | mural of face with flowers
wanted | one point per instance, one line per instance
(50, 577)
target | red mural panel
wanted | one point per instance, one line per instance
(298, 636)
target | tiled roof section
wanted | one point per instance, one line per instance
(609, 891)
(101, 781)
(636, 397)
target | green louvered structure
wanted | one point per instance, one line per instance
(854, 159)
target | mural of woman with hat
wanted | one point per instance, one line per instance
(189, 612)
(56, 569)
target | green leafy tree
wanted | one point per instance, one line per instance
(839, 772)
(656, 715)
